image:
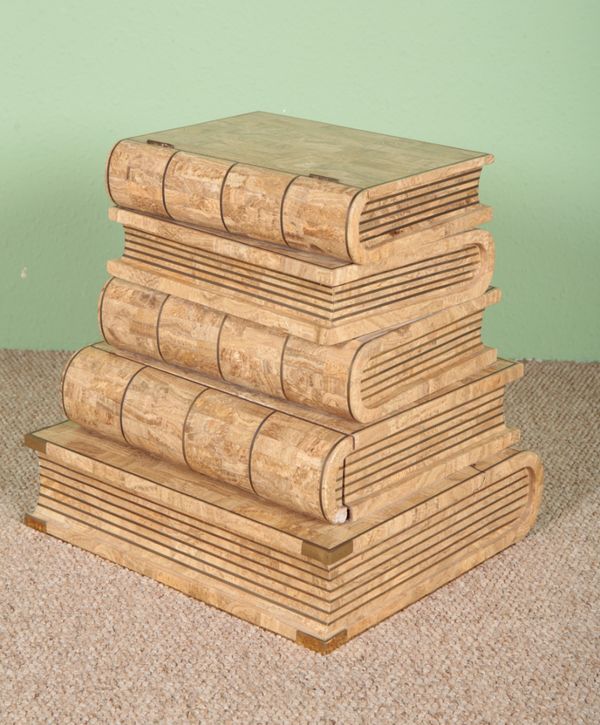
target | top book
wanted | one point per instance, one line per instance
(348, 194)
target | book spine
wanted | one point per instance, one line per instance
(228, 348)
(302, 212)
(362, 380)
(276, 456)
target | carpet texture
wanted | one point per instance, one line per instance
(517, 640)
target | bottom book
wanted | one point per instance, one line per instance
(315, 583)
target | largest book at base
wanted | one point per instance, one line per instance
(296, 183)
(308, 461)
(316, 584)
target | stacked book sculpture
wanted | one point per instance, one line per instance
(292, 415)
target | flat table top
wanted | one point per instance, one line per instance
(298, 146)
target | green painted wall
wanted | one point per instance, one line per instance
(517, 78)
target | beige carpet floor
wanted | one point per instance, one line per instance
(515, 641)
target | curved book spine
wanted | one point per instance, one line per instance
(273, 455)
(302, 299)
(302, 211)
(315, 464)
(363, 379)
